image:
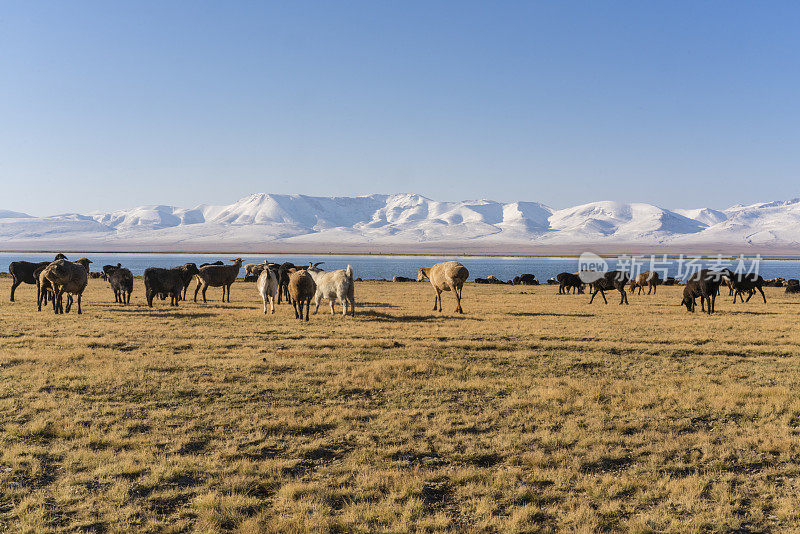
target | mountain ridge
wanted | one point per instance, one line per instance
(410, 221)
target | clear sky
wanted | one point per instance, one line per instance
(107, 105)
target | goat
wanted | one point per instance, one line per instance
(334, 286)
(22, 272)
(741, 282)
(218, 276)
(301, 290)
(611, 280)
(267, 286)
(446, 276)
(121, 281)
(160, 281)
(647, 278)
(66, 277)
(704, 284)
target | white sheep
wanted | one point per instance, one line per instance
(267, 286)
(334, 286)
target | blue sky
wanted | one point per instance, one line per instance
(107, 105)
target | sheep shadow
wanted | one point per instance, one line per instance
(750, 313)
(175, 314)
(550, 314)
(375, 305)
(387, 318)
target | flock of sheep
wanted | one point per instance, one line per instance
(299, 285)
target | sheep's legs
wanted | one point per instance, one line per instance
(308, 308)
(437, 303)
(205, 287)
(79, 303)
(196, 290)
(762, 294)
(14, 285)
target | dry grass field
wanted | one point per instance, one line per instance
(532, 412)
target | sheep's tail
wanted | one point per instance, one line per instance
(349, 271)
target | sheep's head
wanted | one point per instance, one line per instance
(85, 262)
(421, 274)
(60, 256)
(237, 261)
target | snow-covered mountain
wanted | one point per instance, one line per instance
(408, 222)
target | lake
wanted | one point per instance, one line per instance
(377, 266)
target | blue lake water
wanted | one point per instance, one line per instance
(377, 266)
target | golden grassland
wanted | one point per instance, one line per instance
(531, 412)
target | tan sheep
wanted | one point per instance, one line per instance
(446, 276)
(301, 290)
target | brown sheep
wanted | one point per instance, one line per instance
(647, 278)
(218, 276)
(446, 276)
(610, 280)
(301, 290)
(66, 277)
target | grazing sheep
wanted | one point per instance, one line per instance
(552, 282)
(96, 275)
(568, 281)
(121, 281)
(22, 272)
(690, 292)
(218, 262)
(334, 286)
(446, 276)
(793, 282)
(611, 280)
(647, 278)
(160, 281)
(794, 288)
(218, 276)
(489, 280)
(670, 281)
(402, 279)
(775, 282)
(526, 280)
(704, 284)
(66, 277)
(741, 282)
(301, 290)
(267, 286)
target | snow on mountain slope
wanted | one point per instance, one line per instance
(6, 214)
(706, 216)
(405, 219)
(619, 221)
